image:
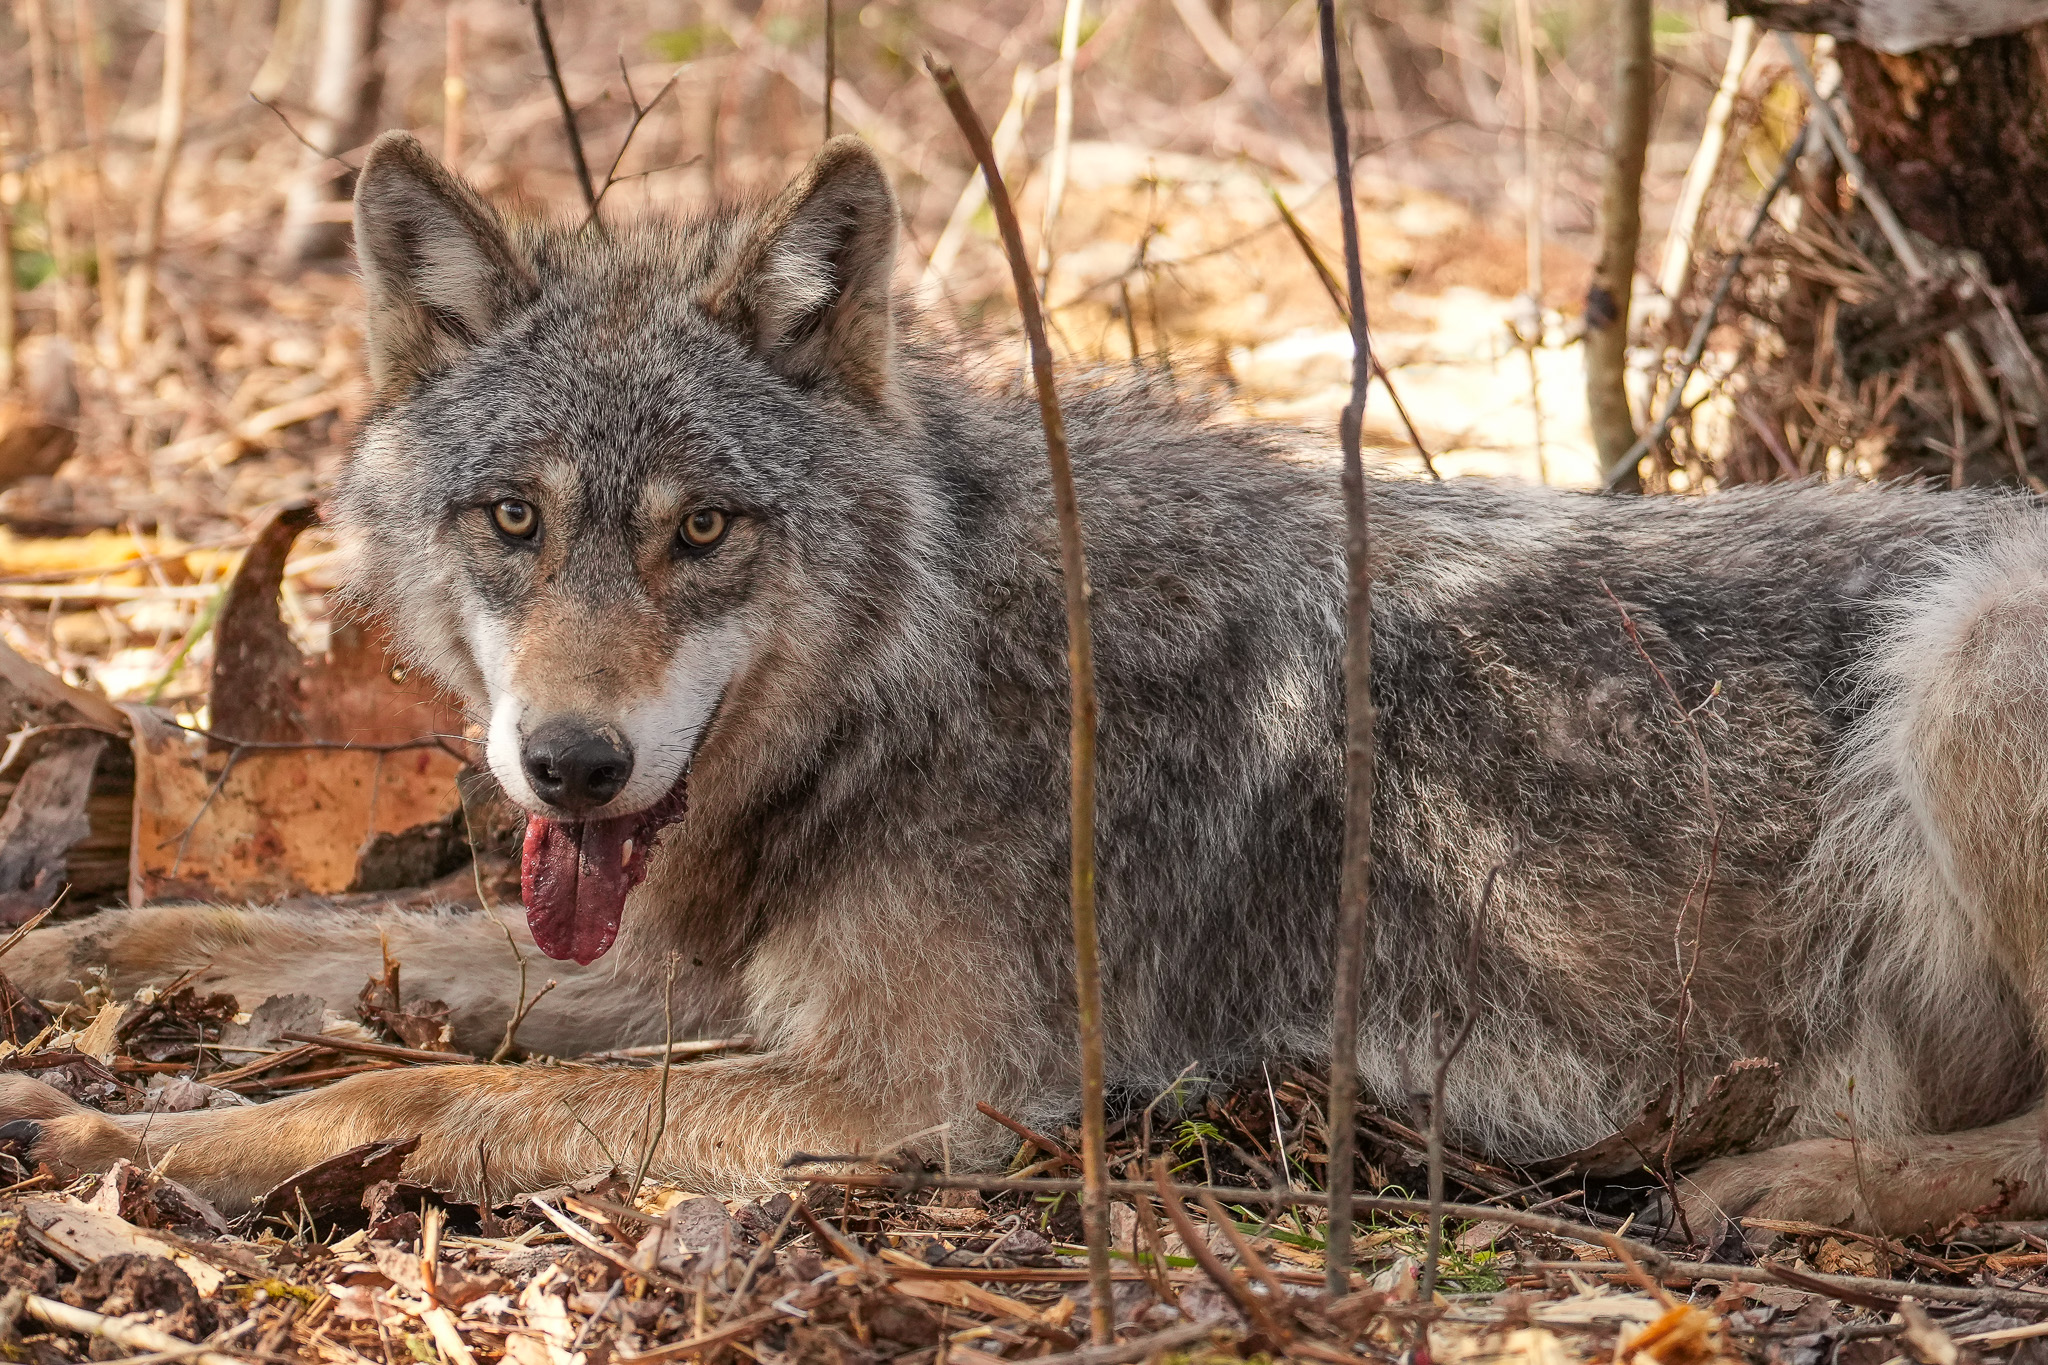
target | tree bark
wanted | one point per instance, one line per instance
(347, 81)
(1621, 187)
(1957, 139)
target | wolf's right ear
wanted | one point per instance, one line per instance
(439, 273)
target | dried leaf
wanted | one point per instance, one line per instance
(79, 1235)
(337, 1185)
(1738, 1112)
(21, 1018)
(45, 818)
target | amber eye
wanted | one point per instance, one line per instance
(515, 518)
(703, 528)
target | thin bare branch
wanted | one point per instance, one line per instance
(1336, 293)
(547, 55)
(1062, 141)
(1624, 474)
(1355, 878)
(1440, 1083)
(831, 62)
(640, 113)
(1081, 672)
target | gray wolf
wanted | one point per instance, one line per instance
(755, 591)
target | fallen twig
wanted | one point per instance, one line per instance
(668, 1058)
(912, 1181)
(688, 1048)
(1895, 234)
(383, 1050)
(336, 1073)
(22, 931)
(526, 1004)
(1031, 1135)
(718, 1336)
(1237, 1291)
(288, 1057)
(131, 1336)
(1138, 1348)
(581, 1235)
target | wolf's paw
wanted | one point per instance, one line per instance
(1802, 1182)
(39, 1124)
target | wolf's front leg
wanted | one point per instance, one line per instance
(730, 1125)
(467, 959)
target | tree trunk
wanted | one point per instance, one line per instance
(1957, 139)
(1621, 190)
(347, 81)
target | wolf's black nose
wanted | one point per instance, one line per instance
(575, 767)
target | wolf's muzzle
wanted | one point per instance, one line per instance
(575, 767)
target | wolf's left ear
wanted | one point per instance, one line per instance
(810, 287)
(439, 272)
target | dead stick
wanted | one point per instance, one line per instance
(21, 933)
(262, 1064)
(1234, 1289)
(717, 1336)
(1624, 474)
(1159, 1344)
(1062, 143)
(1895, 234)
(912, 1181)
(1081, 670)
(583, 1237)
(1030, 1135)
(1335, 290)
(668, 1063)
(506, 1044)
(1348, 976)
(1247, 1256)
(170, 136)
(1835, 1286)
(547, 56)
(1438, 1085)
(335, 1073)
(130, 1336)
(385, 1050)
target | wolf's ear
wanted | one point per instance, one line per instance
(809, 289)
(439, 273)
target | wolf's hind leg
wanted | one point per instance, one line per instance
(1895, 1186)
(1975, 749)
(462, 958)
(1946, 806)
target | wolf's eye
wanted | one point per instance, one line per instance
(515, 518)
(703, 528)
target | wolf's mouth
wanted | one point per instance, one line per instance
(575, 875)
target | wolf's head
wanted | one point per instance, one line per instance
(605, 485)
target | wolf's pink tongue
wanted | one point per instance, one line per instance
(574, 877)
(574, 881)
